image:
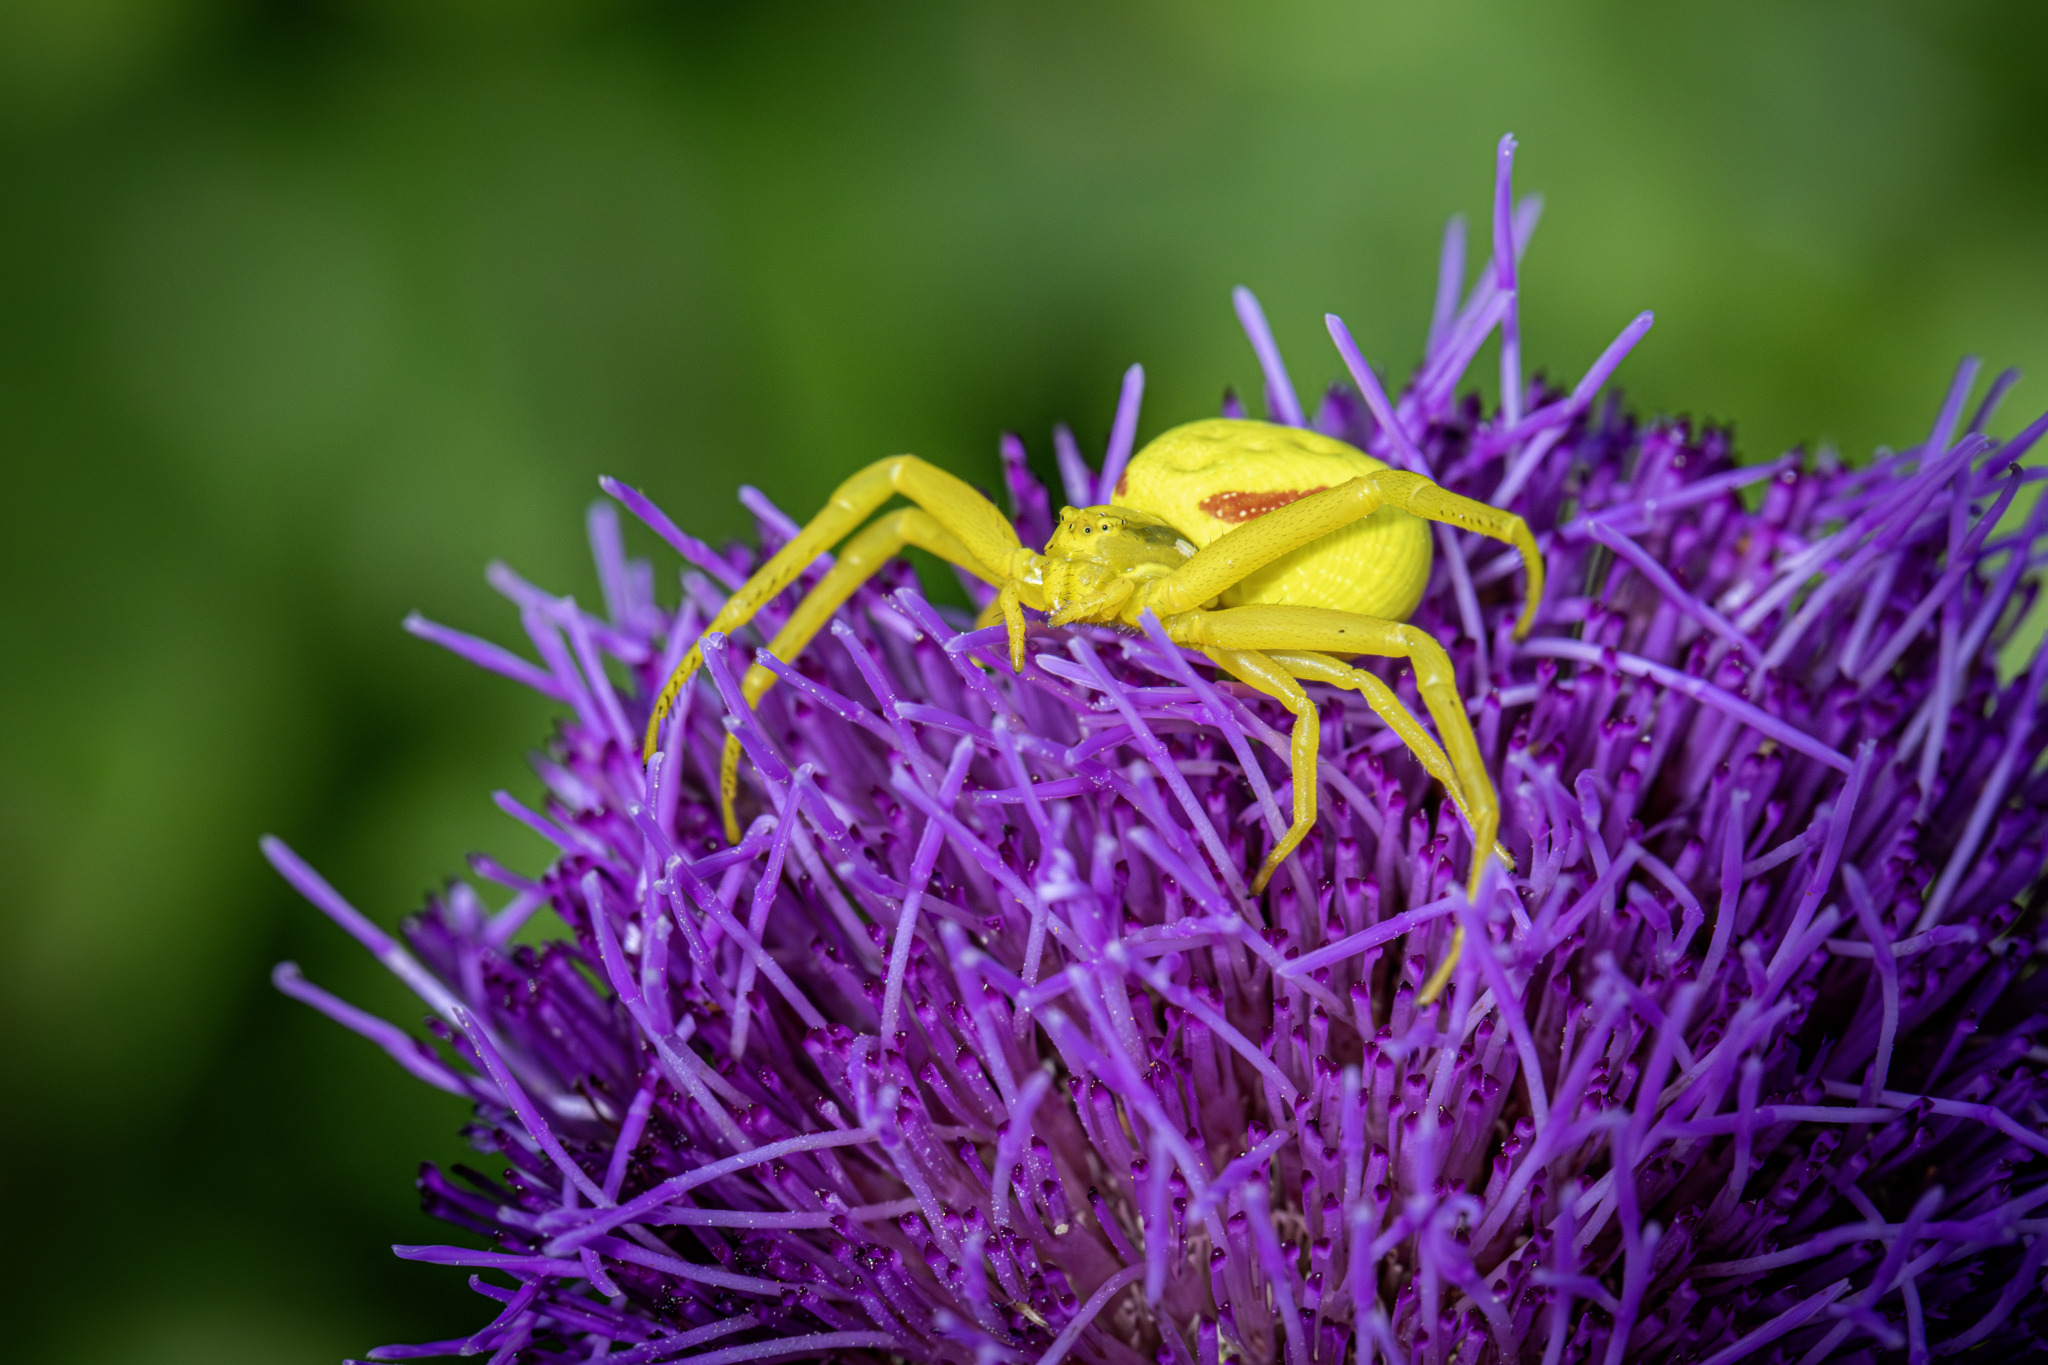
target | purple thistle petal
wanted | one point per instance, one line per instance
(608, 550)
(1660, 578)
(1483, 310)
(818, 1346)
(1282, 406)
(1951, 412)
(416, 1057)
(1993, 396)
(1028, 503)
(515, 1095)
(382, 946)
(1505, 255)
(484, 654)
(1450, 281)
(692, 550)
(774, 521)
(1076, 477)
(1677, 681)
(921, 867)
(1375, 396)
(1123, 434)
(1543, 428)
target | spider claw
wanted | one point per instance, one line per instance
(1441, 977)
(729, 787)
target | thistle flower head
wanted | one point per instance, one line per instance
(975, 1048)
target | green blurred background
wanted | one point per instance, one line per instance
(307, 310)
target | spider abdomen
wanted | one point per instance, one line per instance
(1208, 478)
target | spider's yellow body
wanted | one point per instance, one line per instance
(1276, 552)
(1207, 479)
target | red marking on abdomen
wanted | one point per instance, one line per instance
(1123, 484)
(1236, 507)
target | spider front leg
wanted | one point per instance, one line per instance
(861, 559)
(1256, 670)
(1230, 559)
(986, 541)
(1324, 669)
(1318, 629)
(1008, 608)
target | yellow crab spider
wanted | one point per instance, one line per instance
(1274, 550)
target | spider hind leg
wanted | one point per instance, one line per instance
(1324, 669)
(1267, 675)
(1238, 632)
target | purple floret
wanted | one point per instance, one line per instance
(976, 1048)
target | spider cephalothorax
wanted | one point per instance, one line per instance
(1098, 556)
(1277, 552)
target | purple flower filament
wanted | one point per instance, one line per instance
(976, 1049)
